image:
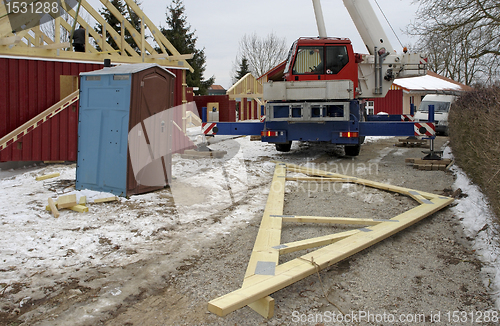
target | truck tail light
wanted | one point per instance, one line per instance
(269, 133)
(349, 134)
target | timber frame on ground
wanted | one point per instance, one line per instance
(264, 274)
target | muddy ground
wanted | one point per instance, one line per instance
(426, 271)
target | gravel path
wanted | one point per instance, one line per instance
(423, 274)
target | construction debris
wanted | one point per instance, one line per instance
(66, 201)
(412, 142)
(105, 200)
(70, 202)
(53, 208)
(430, 165)
(191, 153)
(77, 208)
(60, 186)
(47, 176)
(202, 151)
(80, 208)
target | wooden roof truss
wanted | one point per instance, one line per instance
(264, 274)
(33, 42)
(246, 87)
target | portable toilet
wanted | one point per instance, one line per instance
(113, 103)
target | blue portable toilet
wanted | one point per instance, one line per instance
(112, 102)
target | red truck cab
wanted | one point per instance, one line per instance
(315, 58)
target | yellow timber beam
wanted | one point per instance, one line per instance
(264, 276)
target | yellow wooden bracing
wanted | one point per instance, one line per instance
(34, 43)
(246, 87)
(265, 276)
(37, 121)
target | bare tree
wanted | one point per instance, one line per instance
(49, 28)
(262, 54)
(462, 38)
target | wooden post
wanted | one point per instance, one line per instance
(184, 86)
(103, 38)
(57, 31)
(87, 44)
(143, 39)
(53, 208)
(123, 38)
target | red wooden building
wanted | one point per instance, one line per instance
(38, 68)
(30, 86)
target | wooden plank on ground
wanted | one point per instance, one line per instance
(47, 176)
(53, 208)
(368, 183)
(412, 140)
(105, 200)
(80, 208)
(299, 268)
(269, 235)
(317, 179)
(331, 220)
(66, 201)
(421, 161)
(286, 248)
(258, 286)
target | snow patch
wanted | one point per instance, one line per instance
(479, 223)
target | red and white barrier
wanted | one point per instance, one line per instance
(425, 129)
(407, 117)
(207, 128)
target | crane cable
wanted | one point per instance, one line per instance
(387, 20)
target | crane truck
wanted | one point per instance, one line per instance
(324, 83)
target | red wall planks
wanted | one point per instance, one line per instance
(227, 107)
(392, 103)
(29, 87)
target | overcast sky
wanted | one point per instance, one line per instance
(220, 24)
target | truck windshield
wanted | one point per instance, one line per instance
(438, 106)
(311, 59)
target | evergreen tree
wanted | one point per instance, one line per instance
(242, 70)
(135, 21)
(179, 34)
(113, 22)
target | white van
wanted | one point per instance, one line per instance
(442, 104)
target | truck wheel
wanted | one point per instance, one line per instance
(352, 150)
(284, 147)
